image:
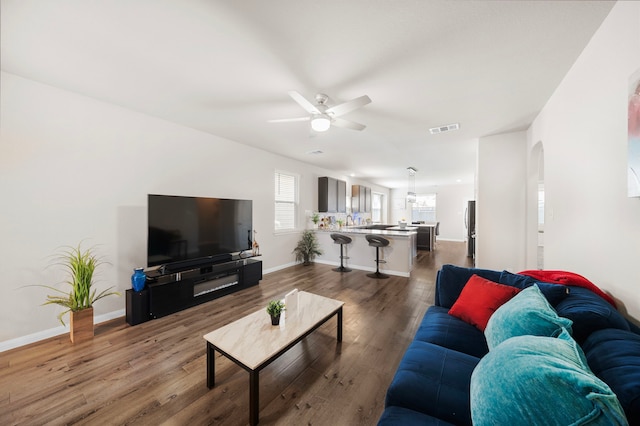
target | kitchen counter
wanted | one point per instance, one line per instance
(391, 231)
(399, 254)
(426, 236)
(403, 229)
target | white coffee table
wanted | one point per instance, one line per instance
(253, 343)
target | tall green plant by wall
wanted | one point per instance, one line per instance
(308, 248)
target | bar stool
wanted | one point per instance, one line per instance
(342, 240)
(377, 242)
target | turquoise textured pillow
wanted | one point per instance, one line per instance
(528, 313)
(534, 380)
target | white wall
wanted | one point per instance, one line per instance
(500, 204)
(73, 168)
(591, 227)
(451, 208)
(451, 202)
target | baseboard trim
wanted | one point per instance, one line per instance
(365, 268)
(53, 332)
(279, 267)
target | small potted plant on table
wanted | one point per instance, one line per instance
(274, 309)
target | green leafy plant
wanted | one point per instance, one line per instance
(275, 307)
(307, 248)
(81, 266)
(315, 218)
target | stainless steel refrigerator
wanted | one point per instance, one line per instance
(470, 224)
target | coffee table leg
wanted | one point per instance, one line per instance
(211, 366)
(254, 398)
(340, 325)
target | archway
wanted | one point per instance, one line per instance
(536, 223)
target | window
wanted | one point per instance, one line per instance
(376, 207)
(424, 209)
(286, 201)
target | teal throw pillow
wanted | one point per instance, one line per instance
(528, 313)
(534, 380)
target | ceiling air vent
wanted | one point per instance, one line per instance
(445, 128)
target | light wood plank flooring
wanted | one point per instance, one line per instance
(155, 373)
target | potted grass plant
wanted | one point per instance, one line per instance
(81, 265)
(308, 248)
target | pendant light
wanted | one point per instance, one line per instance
(411, 186)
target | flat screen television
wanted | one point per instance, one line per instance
(186, 228)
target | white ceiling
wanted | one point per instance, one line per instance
(225, 67)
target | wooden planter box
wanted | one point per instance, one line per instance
(81, 325)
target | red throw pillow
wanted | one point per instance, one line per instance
(479, 299)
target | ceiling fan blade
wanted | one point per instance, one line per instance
(303, 102)
(348, 106)
(289, 120)
(346, 124)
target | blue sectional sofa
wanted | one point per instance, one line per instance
(548, 354)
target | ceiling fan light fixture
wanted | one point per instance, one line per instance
(320, 123)
(322, 116)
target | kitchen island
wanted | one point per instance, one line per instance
(399, 254)
(426, 236)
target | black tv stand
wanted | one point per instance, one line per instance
(182, 286)
(184, 265)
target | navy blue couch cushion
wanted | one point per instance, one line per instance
(614, 356)
(435, 381)
(589, 312)
(442, 329)
(400, 416)
(554, 293)
(451, 280)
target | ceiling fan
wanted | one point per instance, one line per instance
(322, 116)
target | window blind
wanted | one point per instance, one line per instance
(285, 201)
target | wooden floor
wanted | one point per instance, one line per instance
(154, 373)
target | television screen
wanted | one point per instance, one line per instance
(185, 228)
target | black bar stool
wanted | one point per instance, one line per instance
(377, 242)
(342, 240)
